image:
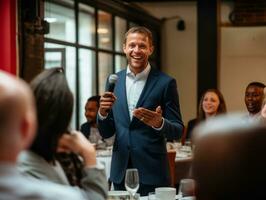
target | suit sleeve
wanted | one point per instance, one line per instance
(173, 125)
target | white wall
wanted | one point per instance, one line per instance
(179, 50)
(242, 58)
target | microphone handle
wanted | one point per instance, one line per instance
(111, 87)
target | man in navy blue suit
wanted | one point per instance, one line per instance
(143, 111)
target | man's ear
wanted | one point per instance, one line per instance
(28, 129)
(151, 50)
(124, 48)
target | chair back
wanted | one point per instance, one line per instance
(171, 158)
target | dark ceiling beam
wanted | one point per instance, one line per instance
(207, 16)
(133, 12)
(163, 1)
(153, 1)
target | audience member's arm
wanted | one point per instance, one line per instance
(94, 180)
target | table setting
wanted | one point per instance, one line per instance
(186, 190)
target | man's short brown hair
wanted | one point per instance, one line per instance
(142, 30)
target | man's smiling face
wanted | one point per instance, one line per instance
(137, 48)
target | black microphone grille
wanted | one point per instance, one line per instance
(113, 78)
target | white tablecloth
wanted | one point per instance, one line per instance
(105, 159)
(182, 162)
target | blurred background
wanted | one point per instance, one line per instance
(203, 44)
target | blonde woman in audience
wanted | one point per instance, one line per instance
(211, 104)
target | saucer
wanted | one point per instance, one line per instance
(118, 195)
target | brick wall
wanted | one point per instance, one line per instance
(31, 44)
(33, 52)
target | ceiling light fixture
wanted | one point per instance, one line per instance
(102, 31)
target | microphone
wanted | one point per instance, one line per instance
(111, 85)
(112, 81)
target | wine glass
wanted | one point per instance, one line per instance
(132, 182)
(187, 187)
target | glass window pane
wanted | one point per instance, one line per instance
(54, 57)
(120, 30)
(120, 63)
(62, 20)
(70, 69)
(86, 25)
(104, 30)
(87, 80)
(105, 69)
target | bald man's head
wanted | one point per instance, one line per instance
(17, 119)
(228, 159)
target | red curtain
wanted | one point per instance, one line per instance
(8, 50)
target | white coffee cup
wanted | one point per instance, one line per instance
(165, 193)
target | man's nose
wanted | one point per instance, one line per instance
(249, 97)
(136, 48)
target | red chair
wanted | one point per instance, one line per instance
(171, 158)
(184, 135)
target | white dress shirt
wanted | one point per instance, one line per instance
(134, 87)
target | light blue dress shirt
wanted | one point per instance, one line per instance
(134, 87)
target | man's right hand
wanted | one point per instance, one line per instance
(106, 102)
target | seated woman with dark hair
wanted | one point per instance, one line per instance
(54, 103)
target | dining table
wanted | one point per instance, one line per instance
(183, 160)
(104, 156)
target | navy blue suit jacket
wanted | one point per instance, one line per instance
(145, 145)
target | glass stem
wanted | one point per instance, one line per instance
(132, 196)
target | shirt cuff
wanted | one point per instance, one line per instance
(160, 128)
(101, 117)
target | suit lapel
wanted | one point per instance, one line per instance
(121, 92)
(152, 79)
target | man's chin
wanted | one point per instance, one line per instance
(253, 111)
(138, 66)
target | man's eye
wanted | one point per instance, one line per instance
(252, 95)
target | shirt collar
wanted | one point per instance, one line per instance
(142, 75)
